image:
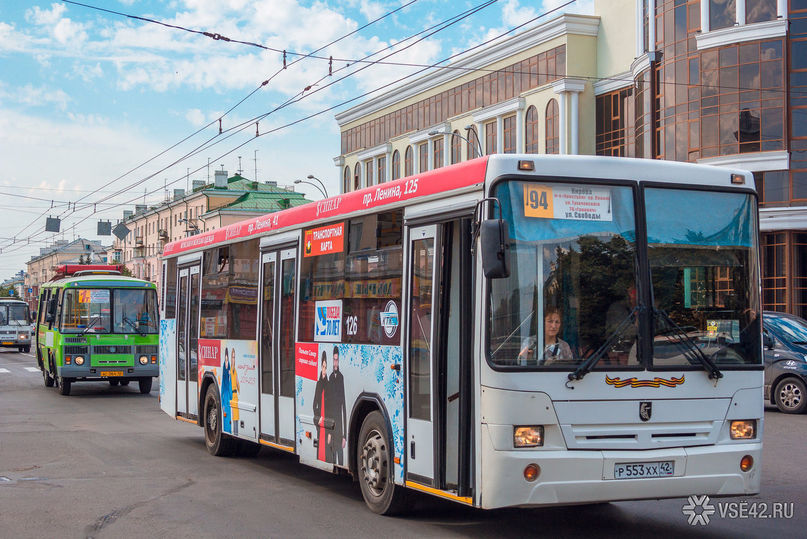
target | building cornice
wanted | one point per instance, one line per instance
(740, 33)
(567, 24)
(423, 134)
(568, 85)
(785, 218)
(639, 65)
(374, 151)
(754, 162)
(617, 82)
(499, 109)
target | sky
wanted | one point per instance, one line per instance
(101, 110)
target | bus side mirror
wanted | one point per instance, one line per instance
(767, 342)
(494, 242)
(50, 314)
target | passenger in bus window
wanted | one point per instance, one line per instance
(336, 409)
(555, 348)
(319, 408)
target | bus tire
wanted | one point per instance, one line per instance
(144, 383)
(113, 383)
(375, 468)
(218, 444)
(27, 348)
(124, 382)
(48, 379)
(64, 385)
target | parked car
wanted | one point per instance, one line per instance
(784, 339)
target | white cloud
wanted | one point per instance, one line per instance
(196, 117)
(372, 10)
(66, 31)
(31, 96)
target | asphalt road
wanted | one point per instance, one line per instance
(107, 462)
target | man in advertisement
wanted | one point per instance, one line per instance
(335, 401)
(320, 410)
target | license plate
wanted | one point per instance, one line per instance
(641, 470)
(111, 373)
(8, 342)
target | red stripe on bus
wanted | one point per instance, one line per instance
(457, 176)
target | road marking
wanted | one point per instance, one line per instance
(32, 369)
(4, 371)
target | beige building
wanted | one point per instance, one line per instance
(709, 81)
(206, 207)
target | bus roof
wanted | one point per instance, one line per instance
(12, 300)
(114, 281)
(466, 174)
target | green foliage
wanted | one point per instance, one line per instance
(126, 272)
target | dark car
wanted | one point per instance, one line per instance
(785, 346)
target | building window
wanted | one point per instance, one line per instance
(456, 147)
(774, 277)
(357, 177)
(490, 138)
(437, 151)
(509, 134)
(396, 165)
(760, 11)
(613, 110)
(552, 127)
(346, 180)
(423, 157)
(531, 130)
(722, 13)
(472, 145)
(408, 162)
(368, 173)
(381, 169)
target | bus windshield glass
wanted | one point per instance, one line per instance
(572, 284)
(15, 314)
(136, 311)
(701, 248)
(85, 310)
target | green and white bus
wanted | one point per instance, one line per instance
(95, 324)
(15, 328)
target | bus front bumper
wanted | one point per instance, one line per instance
(108, 373)
(578, 477)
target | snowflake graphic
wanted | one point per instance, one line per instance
(698, 509)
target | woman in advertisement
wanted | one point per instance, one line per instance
(319, 409)
(234, 391)
(226, 394)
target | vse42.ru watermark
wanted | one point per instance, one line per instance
(699, 510)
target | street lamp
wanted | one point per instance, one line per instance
(455, 134)
(312, 177)
(324, 194)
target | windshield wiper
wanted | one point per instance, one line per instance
(507, 339)
(90, 323)
(135, 326)
(689, 346)
(592, 360)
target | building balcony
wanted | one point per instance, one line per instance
(139, 241)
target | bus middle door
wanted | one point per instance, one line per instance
(188, 294)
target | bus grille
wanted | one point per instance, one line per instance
(75, 350)
(146, 350)
(75, 340)
(112, 349)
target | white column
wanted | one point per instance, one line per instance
(651, 24)
(639, 28)
(704, 16)
(575, 118)
(375, 170)
(781, 8)
(388, 168)
(480, 137)
(563, 131)
(430, 149)
(520, 131)
(447, 140)
(499, 134)
(740, 13)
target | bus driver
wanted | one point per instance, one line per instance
(555, 348)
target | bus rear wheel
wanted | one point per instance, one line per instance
(218, 444)
(144, 383)
(375, 468)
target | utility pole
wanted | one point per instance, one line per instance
(256, 165)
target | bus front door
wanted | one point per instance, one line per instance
(278, 288)
(439, 365)
(188, 294)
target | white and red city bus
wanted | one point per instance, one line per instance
(515, 330)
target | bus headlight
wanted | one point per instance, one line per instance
(528, 436)
(79, 360)
(143, 360)
(745, 429)
(22, 337)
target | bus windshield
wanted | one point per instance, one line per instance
(136, 311)
(91, 310)
(572, 283)
(15, 314)
(85, 310)
(702, 253)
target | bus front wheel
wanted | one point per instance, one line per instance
(145, 384)
(64, 385)
(375, 467)
(48, 379)
(218, 444)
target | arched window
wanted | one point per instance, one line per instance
(408, 163)
(357, 177)
(346, 180)
(552, 127)
(456, 147)
(531, 133)
(472, 146)
(396, 165)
